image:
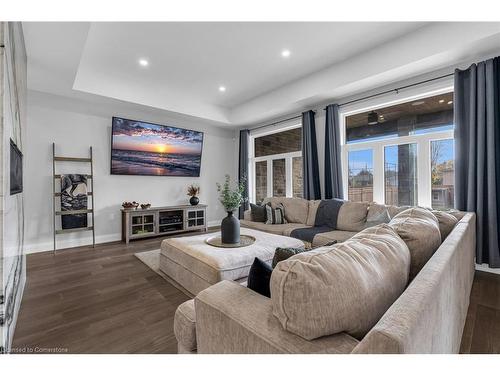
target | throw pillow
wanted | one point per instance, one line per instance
(275, 215)
(352, 216)
(457, 214)
(377, 214)
(394, 210)
(419, 229)
(446, 223)
(328, 212)
(342, 288)
(283, 253)
(259, 277)
(258, 213)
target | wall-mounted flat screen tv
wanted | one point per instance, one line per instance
(143, 148)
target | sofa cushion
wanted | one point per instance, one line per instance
(394, 210)
(185, 326)
(258, 213)
(446, 223)
(352, 216)
(377, 214)
(283, 229)
(343, 288)
(321, 239)
(457, 214)
(311, 214)
(419, 229)
(296, 209)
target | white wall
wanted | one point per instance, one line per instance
(74, 125)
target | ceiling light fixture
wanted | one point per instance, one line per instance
(143, 62)
(372, 118)
(285, 53)
(450, 102)
(441, 101)
(417, 103)
(222, 89)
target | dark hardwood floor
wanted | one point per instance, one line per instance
(105, 300)
(482, 327)
(101, 300)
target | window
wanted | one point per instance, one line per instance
(260, 180)
(298, 190)
(400, 174)
(276, 164)
(279, 178)
(401, 154)
(442, 173)
(361, 176)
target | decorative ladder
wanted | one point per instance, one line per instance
(56, 194)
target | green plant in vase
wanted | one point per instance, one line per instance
(231, 197)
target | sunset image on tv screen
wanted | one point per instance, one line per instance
(142, 148)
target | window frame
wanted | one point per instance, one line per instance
(288, 156)
(423, 141)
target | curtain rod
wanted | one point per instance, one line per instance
(278, 122)
(397, 89)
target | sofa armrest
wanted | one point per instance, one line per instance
(247, 215)
(231, 318)
(185, 327)
(429, 316)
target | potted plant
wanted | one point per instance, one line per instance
(193, 191)
(231, 198)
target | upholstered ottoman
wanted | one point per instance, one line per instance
(195, 265)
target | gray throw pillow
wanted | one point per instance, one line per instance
(377, 214)
(283, 253)
(258, 213)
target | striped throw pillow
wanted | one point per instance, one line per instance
(275, 215)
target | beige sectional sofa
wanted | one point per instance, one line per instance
(353, 217)
(413, 310)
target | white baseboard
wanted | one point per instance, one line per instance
(484, 267)
(66, 244)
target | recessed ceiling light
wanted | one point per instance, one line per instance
(450, 102)
(285, 53)
(417, 103)
(222, 89)
(441, 101)
(143, 62)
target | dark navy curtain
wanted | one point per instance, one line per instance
(312, 189)
(477, 153)
(243, 166)
(333, 164)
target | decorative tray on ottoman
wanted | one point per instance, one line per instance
(245, 240)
